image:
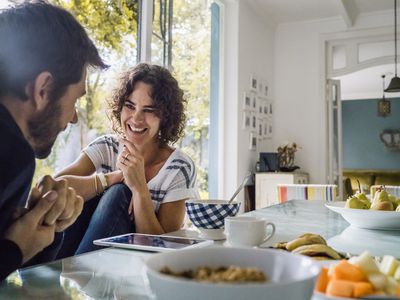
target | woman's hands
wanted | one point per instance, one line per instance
(131, 163)
(114, 177)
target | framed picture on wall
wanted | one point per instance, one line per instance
(246, 120)
(259, 127)
(253, 142)
(260, 89)
(254, 102)
(265, 108)
(265, 129)
(247, 100)
(270, 129)
(253, 123)
(253, 82)
(260, 106)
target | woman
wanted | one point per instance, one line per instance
(142, 182)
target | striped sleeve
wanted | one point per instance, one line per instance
(101, 152)
(183, 184)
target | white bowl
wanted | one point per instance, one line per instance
(292, 277)
(367, 218)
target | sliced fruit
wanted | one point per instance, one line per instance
(392, 286)
(397, 273)
(362, 289)
(347, 271)
(378, 280)
(340, 288)
(322, 281)
(389, 265)
(366, 262)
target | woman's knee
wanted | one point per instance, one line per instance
(119, 189)
(118, 195)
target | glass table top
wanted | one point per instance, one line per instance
(119, 274)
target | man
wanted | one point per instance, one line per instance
(44, 54)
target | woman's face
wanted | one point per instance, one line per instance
(138, 117)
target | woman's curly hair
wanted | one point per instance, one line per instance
(167, 98)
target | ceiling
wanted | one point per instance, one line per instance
(283, 11)
(364, 84)
(359, 85)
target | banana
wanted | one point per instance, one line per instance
(317, 250)
(305, 239)
(280, 245)
(322, 258)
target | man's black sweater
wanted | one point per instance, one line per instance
(17, 165)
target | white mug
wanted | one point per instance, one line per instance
(247, 231)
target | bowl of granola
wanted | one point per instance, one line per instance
(231, 273)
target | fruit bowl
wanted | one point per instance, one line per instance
(367, 218)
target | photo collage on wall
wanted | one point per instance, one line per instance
(257, 111)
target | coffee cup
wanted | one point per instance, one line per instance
(247, 231)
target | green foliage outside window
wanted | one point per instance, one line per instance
(113, 27)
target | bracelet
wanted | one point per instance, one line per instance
(95, 185)
(103, 180)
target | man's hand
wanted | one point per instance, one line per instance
(28, 231)
(66, 209)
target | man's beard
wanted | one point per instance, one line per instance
(44, 128)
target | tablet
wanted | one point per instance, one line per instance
(150, 242)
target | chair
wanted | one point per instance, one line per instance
(326, 192)
(391, 189)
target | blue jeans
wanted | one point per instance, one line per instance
(102, 216)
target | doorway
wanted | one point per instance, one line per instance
(354, 65)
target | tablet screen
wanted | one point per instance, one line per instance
(143, 241)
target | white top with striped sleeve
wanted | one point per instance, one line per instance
(176, 180)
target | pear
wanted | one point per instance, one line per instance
(393, 199)
(354, 202)
(363, 198)
(398, 208)
(384, 205)
(397, 202)
(381, 195)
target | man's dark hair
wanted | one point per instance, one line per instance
(36, 37)
(168, 99)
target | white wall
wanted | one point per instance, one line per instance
(300, 111)
(248, 50)
(290, 58)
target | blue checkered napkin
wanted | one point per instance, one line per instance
(210, 216)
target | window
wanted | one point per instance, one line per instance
(113, 25)
(180, 41)
(190, 63)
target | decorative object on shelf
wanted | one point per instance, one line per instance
(286, 157)
(394, 85)
(383, 104)
(269, 162)
(391, 139)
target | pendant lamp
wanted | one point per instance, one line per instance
(383, 104)
(394, 85)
